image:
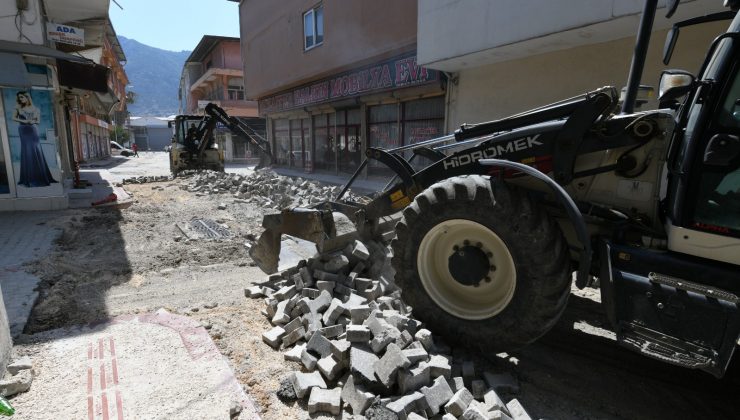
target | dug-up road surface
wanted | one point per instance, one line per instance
(109, 263)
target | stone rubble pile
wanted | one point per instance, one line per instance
(340, 316)
(146, 179)
(18, 377)
(263, 187)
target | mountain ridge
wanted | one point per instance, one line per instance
(154, 76)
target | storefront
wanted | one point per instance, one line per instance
(30, 166)
(328, 124)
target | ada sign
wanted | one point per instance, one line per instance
(65, 34)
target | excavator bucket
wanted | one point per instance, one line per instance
(317, 226)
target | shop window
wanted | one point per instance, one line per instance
(422, 120)
(281, 132)
(324, 139)
(383, 128)
(313, 27)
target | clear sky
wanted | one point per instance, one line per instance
(174, 25)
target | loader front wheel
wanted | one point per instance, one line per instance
(480, 263)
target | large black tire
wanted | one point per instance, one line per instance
(527, 308)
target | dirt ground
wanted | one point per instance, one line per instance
(112, 262)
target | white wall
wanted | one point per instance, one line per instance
(498, 90)
(30, 22)
(461, 34)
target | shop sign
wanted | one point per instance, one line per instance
(65, 34)
(396, 73)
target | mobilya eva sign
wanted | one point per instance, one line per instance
(395, 73)
(65, 34)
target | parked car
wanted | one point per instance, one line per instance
(116, 149)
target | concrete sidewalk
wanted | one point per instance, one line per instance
(149, 366)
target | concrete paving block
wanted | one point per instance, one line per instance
(336, 264)
(271, 307)
(326, 286)
(303, 382)
(474, 413)
(413, 379)
(308, 360)
(294, 354)
(293, 337)
(362, 363)
(375, 322)
(372, 292)
(456, 383)
(381, 340)
(415, 345)
(385, 302)
(493, 402)
(440, 366)
(343, 320)
(298, 282)
(359, 313)
(405, 339)
(282, 316)
(358, 333)
(359, 267)
(448, 416)
(335, 309)
(319, 345)
(502, 382)
(325, 401)
(340, 350)
(416, 355)
(330, 367)
(293, 325)
(437, 395)
(296, 312)
(478, 388)
(498, 415)
(356, 396)
(406, 404)
(306, 276)
(362, 284)
(286, 292)
(388, 365)
(310, 293)
(459, 402)
(24, 363)
(354, 300)
(321, 275)
(343, 290)
(359, 251)
(331, 331)
(424, 336)
(273, 337)
(414, 416)
(517, 411)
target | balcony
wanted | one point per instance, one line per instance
(212, 75)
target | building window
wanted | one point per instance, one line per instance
(313, 27)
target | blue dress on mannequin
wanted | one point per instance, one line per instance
(34, 169)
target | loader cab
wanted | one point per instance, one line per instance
(703, 202)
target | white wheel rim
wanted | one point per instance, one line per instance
(465, 301)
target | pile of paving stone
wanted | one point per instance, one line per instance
(18, 377)
(340, 316)
(146, 179)
(262, 187)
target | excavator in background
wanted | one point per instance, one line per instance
(194, 145)
(647, 202)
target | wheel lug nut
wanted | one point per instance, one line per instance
(489, 254)
(488, 279)
(476, 284)
(455, 248)
(466, 242)
(493, 268)
(479, 245)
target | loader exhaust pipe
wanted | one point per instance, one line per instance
(638, 58)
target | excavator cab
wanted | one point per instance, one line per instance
(194, 146)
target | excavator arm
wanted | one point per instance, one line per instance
(217, 114)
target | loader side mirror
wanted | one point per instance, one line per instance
(722, 150)
(674, 84)
(670, 44)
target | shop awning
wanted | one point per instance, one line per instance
(74, 71)
(14, 70)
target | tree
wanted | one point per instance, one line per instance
(119, 134)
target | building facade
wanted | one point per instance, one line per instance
(49, 90)
(213, 73)
(515, 56)
(335, 77)
(151, 133)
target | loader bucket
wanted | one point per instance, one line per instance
(317, 226)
